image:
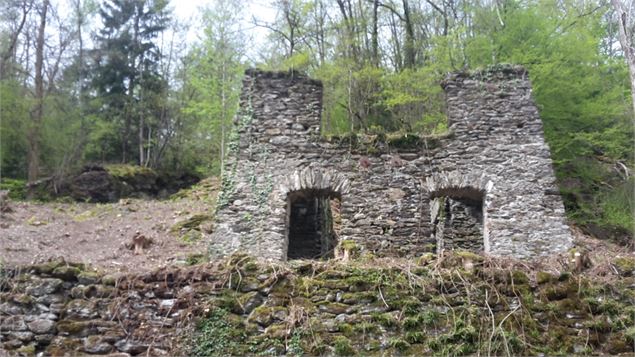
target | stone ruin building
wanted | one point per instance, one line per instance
(488, 185)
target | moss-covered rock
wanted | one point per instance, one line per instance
(625, 266)
(66, 273)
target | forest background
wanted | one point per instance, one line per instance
(119, 81)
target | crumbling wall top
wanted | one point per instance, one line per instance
(497, 73)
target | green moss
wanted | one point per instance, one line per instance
(48, 267)
(624, 265)
(343, 346)
(72, 327)
(384, 319)
(335, 308)
(192, 223)
(66, 273)
(364, 297)
(265, 315)
(410, 306)
(365, 327)
(346, 329)
(543, 277)
(599, 324)
(89, 277)
(109, 280)
(519, 277)
(404, 141)
(23, 299)
(349, 247)
(278, 331)
(426, 258)
(556, 292)
(191, 236)
(196, 259)
(228, 301)
(129, 172)
(28, 350)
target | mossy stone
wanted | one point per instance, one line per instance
(110, 280)
(48, 267)
(618, 344)
(264, 315)
(335, 308)
(28, 350)
(625, 266)
(22, 299)
(72, 327)
(88, 277)
(426, 258)
(249, 301)
(543, 277)
(519, 277)
(556, 292)
(279, 330)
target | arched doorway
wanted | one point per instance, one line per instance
(312, 223)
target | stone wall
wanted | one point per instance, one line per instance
(61, 309)
(495, 146)
(239, 307)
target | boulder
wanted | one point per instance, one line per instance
(95, 184)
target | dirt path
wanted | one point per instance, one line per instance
(97, 234)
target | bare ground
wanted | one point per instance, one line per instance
(100, 234)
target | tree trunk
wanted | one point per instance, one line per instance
(626, 40)
(36, 111)
(374, 36)
(8, 57)
(409, 45)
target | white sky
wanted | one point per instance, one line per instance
(187, 11)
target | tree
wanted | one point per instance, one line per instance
(36, 111)
(625, 12)
(217, 67)
(127, 64)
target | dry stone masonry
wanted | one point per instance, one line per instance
(487, 185)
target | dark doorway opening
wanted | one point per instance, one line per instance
(311, 226)
(458, 222)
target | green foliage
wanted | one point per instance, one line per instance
(295, 345)
(17, 188)
(127, 77)
(214, 71)
(215, 336)
(343, 346)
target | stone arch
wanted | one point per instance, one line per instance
(311, 178)
(313, 204)
(458, 210)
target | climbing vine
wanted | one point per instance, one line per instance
(228, 180)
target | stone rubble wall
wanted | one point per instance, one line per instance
(415, 307)
(59, 309)
(495, 146)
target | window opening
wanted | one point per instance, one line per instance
(458, 222)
